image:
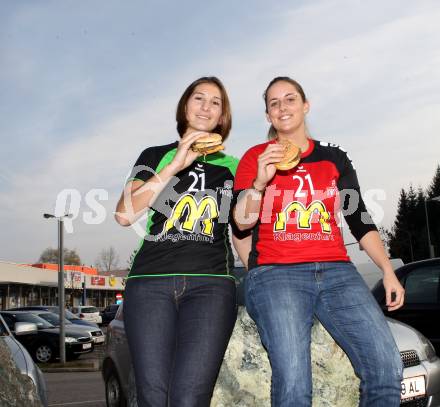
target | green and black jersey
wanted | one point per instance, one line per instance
(187, 226)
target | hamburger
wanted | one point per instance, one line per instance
(292, 155)
(209, 144)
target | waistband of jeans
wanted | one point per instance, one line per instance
(312, 266)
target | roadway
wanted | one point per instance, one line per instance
(79, 389)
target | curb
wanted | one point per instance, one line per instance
(89, 366)
(69, 369)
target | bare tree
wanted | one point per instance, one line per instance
(107, 260)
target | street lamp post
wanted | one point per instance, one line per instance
(431, 247)
(61, 299)
(84, 292)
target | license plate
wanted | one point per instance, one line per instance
(87, 345)
(99, 339)
(412, 387)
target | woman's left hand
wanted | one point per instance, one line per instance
(392, 285)
(372, 244)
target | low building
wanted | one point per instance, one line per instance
(22, 285)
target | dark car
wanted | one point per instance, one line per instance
(108, 314)
(421, 280)
(54, 319)
(44, 345)
(56, 310)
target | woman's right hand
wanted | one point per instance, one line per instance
(185, 156)
(273, 154)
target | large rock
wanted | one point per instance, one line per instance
(244, 379)
(15, 389)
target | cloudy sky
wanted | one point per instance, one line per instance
(86, 86)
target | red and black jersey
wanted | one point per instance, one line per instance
(298, 217)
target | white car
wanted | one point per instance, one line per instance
(421, 373)
(88, 313)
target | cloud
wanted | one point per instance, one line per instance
(370, 71)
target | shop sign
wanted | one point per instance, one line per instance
(94, 280)
(73, 279)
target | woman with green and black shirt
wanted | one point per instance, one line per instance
(180, 304)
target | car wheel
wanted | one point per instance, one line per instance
(43, 353)
(113, 391)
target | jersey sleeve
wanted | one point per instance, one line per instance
(353, 206)
(233, 164)
(245, 175)
(144, 166)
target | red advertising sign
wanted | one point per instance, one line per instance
(97, 280)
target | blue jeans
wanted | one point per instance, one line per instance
(178, 329)
(283, 301)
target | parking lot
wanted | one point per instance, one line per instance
(75, 389)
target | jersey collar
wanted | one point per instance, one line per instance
(309, 150)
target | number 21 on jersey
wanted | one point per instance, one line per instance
(198, 183)
(300, 192)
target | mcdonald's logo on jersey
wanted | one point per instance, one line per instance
(304, 216)
(194, 212)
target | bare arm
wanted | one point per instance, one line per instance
(373, 246)
(243, 247)
(248, 206)
(138, 196)
(247, 209)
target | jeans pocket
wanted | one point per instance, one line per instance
(259, 270)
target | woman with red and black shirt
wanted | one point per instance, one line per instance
(298, 264)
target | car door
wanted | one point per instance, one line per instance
(119, 348)
(422, 308)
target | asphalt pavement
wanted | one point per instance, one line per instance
(79, 389)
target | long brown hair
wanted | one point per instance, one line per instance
(225, 122)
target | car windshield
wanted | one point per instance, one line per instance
(70, 315)
(35, 319)
(52, 318)
(88, 310)
(67, 313)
